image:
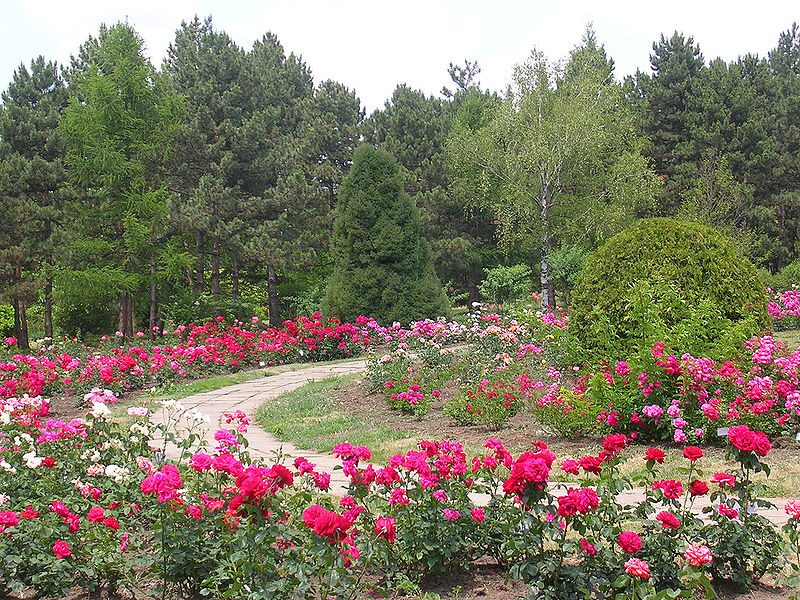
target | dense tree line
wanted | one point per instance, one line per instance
(133, 194)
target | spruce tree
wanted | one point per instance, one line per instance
(382, 267)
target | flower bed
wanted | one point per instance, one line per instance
(88, 504)
(187, 350)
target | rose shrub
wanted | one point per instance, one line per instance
(186, 350)
(87, 503)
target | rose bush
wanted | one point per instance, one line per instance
(86, 503)
(185, 350)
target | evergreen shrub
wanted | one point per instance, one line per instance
(667, 281)
(382, 267)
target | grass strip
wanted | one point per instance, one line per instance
(309, 418)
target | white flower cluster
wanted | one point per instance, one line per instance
(117, 473)
(31, 460)
(99, 410)
(195, 417)
(170, 405)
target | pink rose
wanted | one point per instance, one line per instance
(637, 567)
(697, 555)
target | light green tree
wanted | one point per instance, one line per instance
(118, 128)
(563, 150)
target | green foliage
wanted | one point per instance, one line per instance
(118, 127)
(187, 308)
(77, 318)
(32, 177)
(6, 320)
(559, 157)
(382, 267)
(505, 284)
(569, 414)
(413, 128)
(663, 278)
(785, 279)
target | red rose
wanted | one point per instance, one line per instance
(671, 488)
(96, 514)
(692, 453)
(384, 528)
(570, 466)
(668, 520)
(590, 464)
(742, 437)
(588, 548)
(8, 518)
(326, 523)
(61, 549)
(630, 542)
(698, 488)
(655, 454)
(762, 444)
(614, 442)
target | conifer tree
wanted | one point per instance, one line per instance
(382, 267)
(117, 128)
(31, 180)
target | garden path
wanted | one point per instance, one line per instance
(248, 396)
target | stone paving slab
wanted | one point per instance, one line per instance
(248, 396)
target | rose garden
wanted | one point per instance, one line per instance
(628, 428)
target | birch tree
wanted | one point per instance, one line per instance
(563, 152)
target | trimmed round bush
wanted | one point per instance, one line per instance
(663, 280)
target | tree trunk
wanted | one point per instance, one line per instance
(472, 288)
(48, 306)
(48, 283)
(274, 303)
(125, 321)
(21, 324)
(545, 273)
(200, 281)
(189, 272)
(128, 317)
(235, 276)
(153, 298)
(215, 291)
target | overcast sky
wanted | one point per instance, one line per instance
(372, 45)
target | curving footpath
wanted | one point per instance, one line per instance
(248, 396)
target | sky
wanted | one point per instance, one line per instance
(372, 45)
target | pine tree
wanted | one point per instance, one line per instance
(382, 267)
(31, 180)
(669, 101)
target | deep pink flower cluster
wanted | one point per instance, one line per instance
(530, 469)
(164, 483)
(187, 349)
(581, 500)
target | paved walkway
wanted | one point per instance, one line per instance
(248, 396)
